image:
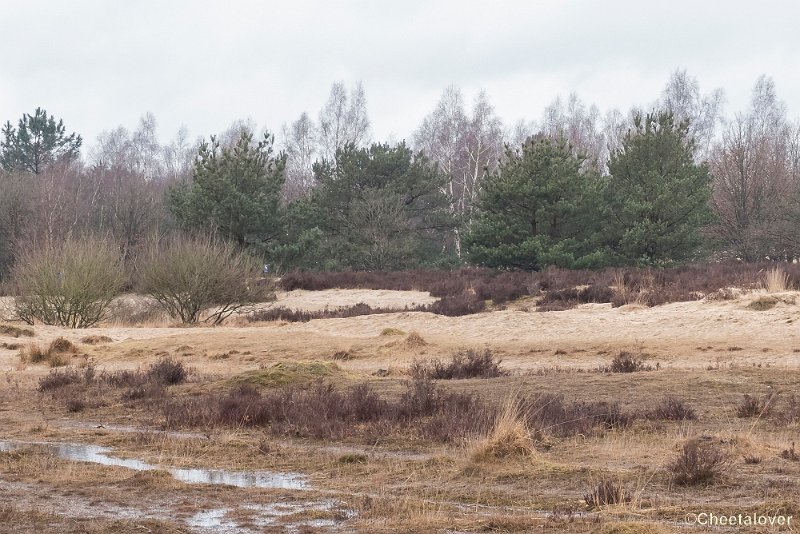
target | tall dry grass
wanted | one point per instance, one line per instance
(775, 281)
(509, 436)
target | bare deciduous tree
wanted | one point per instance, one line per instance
(343, 120)
(756, 172)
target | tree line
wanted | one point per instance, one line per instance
(672, 183)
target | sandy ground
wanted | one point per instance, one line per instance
(685, 335)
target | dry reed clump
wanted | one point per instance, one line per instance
(700, 462)
(509, 436)
(56, 353)
(775, 280)
(606, 493)
(470, 363)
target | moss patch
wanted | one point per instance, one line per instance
(283, 373)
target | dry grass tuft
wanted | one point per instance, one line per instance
(606, 493)
(775, 281)
(414, 340)
(55, 354)
(509, 436)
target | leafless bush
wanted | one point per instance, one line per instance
(468, 363)
(671, 408)
(755, 406)
(67, 284)
(700, 462)
(625, 362)
(190, 275)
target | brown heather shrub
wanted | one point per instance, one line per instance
(468, 363)
(790, 454)
(700, 462)
(789, 414)
(321, 411)
(606, 493)
(281, 313)
(550, 414)
(625, 362)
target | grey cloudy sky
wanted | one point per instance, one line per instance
(102, 63)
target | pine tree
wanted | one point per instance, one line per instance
(234, 191)
(36, 143)
(536, 210)
(657, 197)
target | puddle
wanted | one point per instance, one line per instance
(100, 455)
(212, 519)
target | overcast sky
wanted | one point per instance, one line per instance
(102, 63)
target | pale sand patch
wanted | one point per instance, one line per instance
(685, 335)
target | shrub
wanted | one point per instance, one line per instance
(671, 408)
(455, 306)
(469, 363)
(69, 284)
(790, 454)
(58, 379)
(322, 412)
(168, 371)
(550, 414)
(190, 275)
(699, 462)
(625, 362)
(755, 406)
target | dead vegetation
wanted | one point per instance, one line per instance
(469, 363)
(56, 354)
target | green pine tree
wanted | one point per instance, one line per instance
(37, 142)
(536, 210)
(234, 191)
(657, 197)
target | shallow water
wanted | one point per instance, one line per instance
(100, 455)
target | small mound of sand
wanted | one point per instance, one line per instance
(96, 340)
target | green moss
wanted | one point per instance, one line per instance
(283, 373)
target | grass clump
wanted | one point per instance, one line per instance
(392, 332)
(699, 462)
(606, 493)
(469, 363)
(775, 281)
(96, 340)
(508, 437)
(763, 303)
(56, 353)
